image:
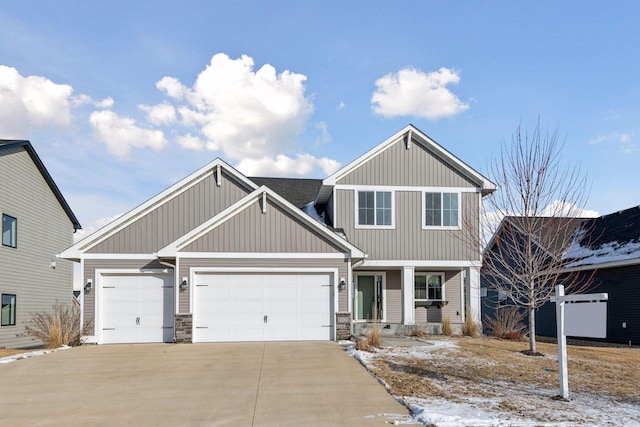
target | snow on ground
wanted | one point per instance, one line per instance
(495, 403)
(29, 354)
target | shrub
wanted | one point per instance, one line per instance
(506, 321)
(513, 335)
(416, 332)
(58, 327)
(373, 337)
(469, 328)
(446, 326)
(363, 345)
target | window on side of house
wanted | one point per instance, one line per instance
(441, 210)
(429, 286)
(9, 231)
(8, 313)
(375, 208)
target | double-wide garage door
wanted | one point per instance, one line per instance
(262, 307)
(137, 308)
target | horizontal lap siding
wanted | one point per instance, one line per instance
(394, 296)
(408, 240)
(90, 267)
(175, 218)
(453, 295)
(185, 265)
(401, 167)
(251, 230)
(43, 230)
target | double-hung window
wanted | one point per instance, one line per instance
(429, 287)
(375, 208)
(9, 231)
(8, 310)
(441, 210)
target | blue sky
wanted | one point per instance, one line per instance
(121, 99)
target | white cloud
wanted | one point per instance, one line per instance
(105, 103)
(411, 92)
(328, 165)
(94, 226)
(281, 165)
(31, 102)
(563, 209)
(341, 105)
(324, 136)
(190, 142)
(246, 114)
(119, 134)
(161, 114)
(624, 141)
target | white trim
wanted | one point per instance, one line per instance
(173, 191)
(97, 313)
(419, 263)
(262, 255)
(356, 210)
(349, 286)
(611, 264)
(443, 281)
(441, 227)
(193, 271)
(405, 188)
(408, 302)
(118, 256)
(384, 294)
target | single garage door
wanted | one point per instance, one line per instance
(137, 308)
(263, 307)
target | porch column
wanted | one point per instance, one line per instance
(473, 293)
(408, 295)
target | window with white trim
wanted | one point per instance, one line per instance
(441, 210)
(8, 311)
(9, 231)
(375, 208)
(429, 286)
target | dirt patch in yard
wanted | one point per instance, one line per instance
(494, 375)
(11, 352)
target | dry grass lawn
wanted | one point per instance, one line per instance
(11, 352)
(496, 371)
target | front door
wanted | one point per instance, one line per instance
(369, 297)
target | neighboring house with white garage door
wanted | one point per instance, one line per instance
(37, 223)
(222, 257)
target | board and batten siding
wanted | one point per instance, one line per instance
(453, 295)
(397, 166)
(44, 230)
(186, 264)
(90, 267)
(407, 241)
(251, 230)
(176, 217)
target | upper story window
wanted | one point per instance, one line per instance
(429, 286)
(375, 208)
(441, 210)
(9, 231)
(8, 313)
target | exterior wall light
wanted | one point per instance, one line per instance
(184, 284)
(342, 285)
(87, 286)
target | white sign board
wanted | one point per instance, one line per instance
(586, 319)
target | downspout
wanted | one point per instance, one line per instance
(176, 296)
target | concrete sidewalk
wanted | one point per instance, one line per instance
(247, 384)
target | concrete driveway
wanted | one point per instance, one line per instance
(247, 384)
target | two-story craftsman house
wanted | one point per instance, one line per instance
(222, 257)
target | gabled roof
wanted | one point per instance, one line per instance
(108, 230)
(612, 239)
(412, 135)
(6, 144)
(299, 191)
(172, 249)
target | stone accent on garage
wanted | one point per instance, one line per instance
(343, 326)
(184, 328)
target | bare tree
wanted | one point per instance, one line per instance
(540, 200)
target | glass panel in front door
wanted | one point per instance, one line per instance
(369, 298)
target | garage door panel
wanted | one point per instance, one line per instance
(232, 307)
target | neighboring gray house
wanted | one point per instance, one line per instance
(37, 223)
(222, 257)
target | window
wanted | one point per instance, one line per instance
(8, 310)
(441, 210)
(375, 208)
(9, 231)
(428, 287)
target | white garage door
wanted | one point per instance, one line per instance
(263, 307)
(137, 308)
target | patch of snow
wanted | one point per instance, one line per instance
(346, 342)
(30, 354)
(608, 252)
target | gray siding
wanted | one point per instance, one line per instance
(44, 230)
(453, 310)
(408, 240)
(185, 264)
(401, 167)
(253, 231)
(90, 267)
(175, 217)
